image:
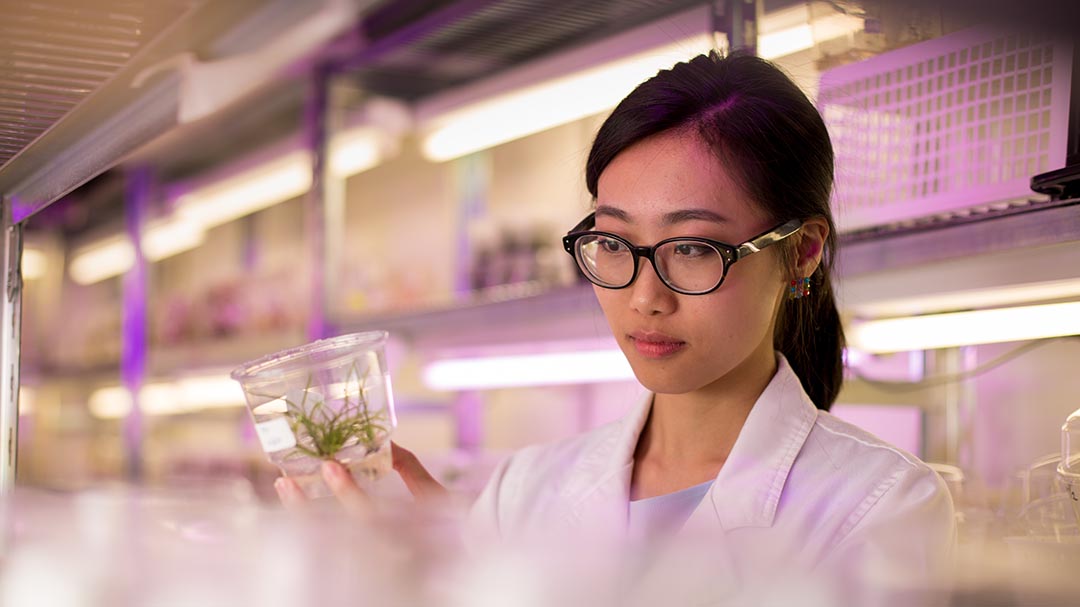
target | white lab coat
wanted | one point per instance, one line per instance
(803, 495)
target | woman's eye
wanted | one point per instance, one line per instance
(690, 250)
(609, 245)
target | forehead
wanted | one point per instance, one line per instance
(673, 171)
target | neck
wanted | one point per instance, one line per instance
(695, 431)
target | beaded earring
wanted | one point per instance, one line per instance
(799, 288)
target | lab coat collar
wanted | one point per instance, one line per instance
(598, 490)
(746, 491)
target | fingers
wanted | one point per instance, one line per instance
(290, 494)
(421, 484)
(351, 496)
(417, 479)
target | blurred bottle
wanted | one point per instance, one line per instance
(520, 255)
(482, 248)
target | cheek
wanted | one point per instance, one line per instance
(731, 322)
(605, 297)
(610, 302)
(762, 279)
(746, 309)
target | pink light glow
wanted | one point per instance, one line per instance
(519, 370)
(900, 425)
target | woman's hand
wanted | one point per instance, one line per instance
(421, 484)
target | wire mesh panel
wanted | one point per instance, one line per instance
(953, 123)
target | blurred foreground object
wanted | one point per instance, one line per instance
(214, 544)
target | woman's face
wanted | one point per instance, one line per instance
(671, 185)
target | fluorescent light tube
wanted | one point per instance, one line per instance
(161, 399)
(104, 259)
(558, 101)
(167, 238)
(264, 186)
(278, 180)
(114, 256)
(531, 109)
(791, 30)
(966, 328)
(112, 402)
(785, 42)
(836, 26)
(355, 151)
(974, 298)
(33, 264)
(27, 400)
(208, 392)
(169, 398)
(545, 369)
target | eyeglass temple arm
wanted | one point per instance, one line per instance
(584, 224)
(768, 238)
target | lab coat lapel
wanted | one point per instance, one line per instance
(745, 493)
(747, 490)
(597, 491)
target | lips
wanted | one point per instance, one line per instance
(652, 344)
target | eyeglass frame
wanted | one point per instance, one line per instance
(733, 252)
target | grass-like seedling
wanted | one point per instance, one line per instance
(322, 431)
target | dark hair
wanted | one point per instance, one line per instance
(762, 126)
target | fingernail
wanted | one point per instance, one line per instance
(285, 491)
(333, 470)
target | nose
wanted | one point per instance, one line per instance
(649, 295)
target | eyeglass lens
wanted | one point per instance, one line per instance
(686, 265)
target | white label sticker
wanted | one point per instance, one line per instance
(275, 435)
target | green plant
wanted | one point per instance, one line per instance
(322, 431)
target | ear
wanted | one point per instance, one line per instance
(810, 246)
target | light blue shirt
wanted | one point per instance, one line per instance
(664, 514)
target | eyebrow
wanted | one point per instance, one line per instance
(612, 212)
(693, 215)
(668, 219)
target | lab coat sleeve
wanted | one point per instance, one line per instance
(899, 543)
(482, 523)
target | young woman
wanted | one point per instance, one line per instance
(710, 248)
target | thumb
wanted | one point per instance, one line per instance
(421, 484)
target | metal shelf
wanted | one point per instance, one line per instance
(1010, 228)
(511, 314)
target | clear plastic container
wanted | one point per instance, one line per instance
(1069, 467)
(330, 399)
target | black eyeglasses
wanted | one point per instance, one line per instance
(691, 266)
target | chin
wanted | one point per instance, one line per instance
(664, 382)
